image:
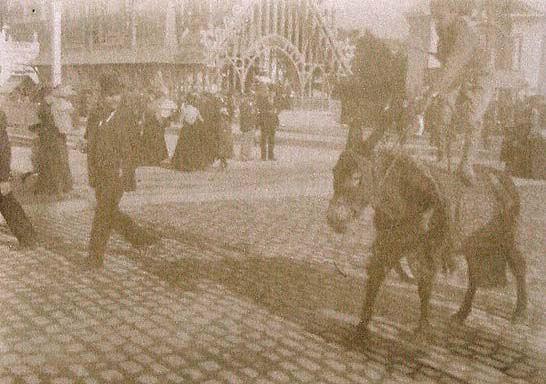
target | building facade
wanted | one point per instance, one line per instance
(139, 37)
(519, 54)
(134, 37)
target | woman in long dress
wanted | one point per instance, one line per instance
(49, 161)
(187, 155)
(153, 146)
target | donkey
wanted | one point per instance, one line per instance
(428, 215)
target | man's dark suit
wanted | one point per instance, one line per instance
(267, 121)
(110, 161)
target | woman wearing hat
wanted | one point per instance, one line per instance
(49, 159)
(158, 116)
(62, 110)
(188, 152)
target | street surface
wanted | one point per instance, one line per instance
(248, 285)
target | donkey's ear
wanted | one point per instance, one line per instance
(367, 145)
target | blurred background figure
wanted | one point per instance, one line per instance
(187, 155)
(224, 149)
(50, 160)
(158, 116)
(267, 121)
(247, 123)
(11, 210)
(62, 110)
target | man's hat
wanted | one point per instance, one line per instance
(110, 85)
(462, 7)
(64, 91)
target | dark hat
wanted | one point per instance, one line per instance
(110, 85)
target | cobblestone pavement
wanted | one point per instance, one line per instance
(253, 290)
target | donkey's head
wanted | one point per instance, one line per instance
(353, 183)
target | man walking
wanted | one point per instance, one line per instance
(267, 121)
(247, 123)
(109, 160)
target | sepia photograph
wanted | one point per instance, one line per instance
(273, 191)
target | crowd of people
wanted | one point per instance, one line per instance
(125, 128)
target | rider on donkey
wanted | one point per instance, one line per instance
(465, 85)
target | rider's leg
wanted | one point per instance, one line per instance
(472, 112)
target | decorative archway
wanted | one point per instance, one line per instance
(296, 30)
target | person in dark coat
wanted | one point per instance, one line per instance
(109, 158)
(212, 120)
(224, 140)
(187, 153)
(267, 122)
(247, 124)
(10, 208)
(49, 161)
(134, 103)
(153, 145)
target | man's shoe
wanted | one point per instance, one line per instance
(467, 175)
(28, 244)
(93, 263)
(147, 241)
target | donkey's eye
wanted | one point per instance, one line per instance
(356, 178)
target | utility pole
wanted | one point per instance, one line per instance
(56, 65)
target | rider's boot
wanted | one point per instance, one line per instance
(470, 148)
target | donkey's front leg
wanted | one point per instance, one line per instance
(378, 267)
(518, 265)
(425, 281)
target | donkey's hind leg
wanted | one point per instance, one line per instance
(402, 274)
(517, 264)
(460, 316)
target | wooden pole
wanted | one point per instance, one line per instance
(56, 31)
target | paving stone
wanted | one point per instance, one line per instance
(336, 365)
(174, 378)
(279, 377)
(193, 373)
(112, 376)
(175, 361)
(334, 378)
(231, 377)
(210, 366)
(159, 369)
(147, 379)
(61, 380)
(308, 364)
(20, 370)
(31, 379)
(251, 373)
(131, 367)
(304, 376)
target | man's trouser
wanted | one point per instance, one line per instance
(65, 173)
(17, 220)
(247, 145)
(465, 107)
(108, 217)
(267, 142)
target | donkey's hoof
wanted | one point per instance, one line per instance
(519, 316)
(359, 335)
(458, 318)
(423, 331)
